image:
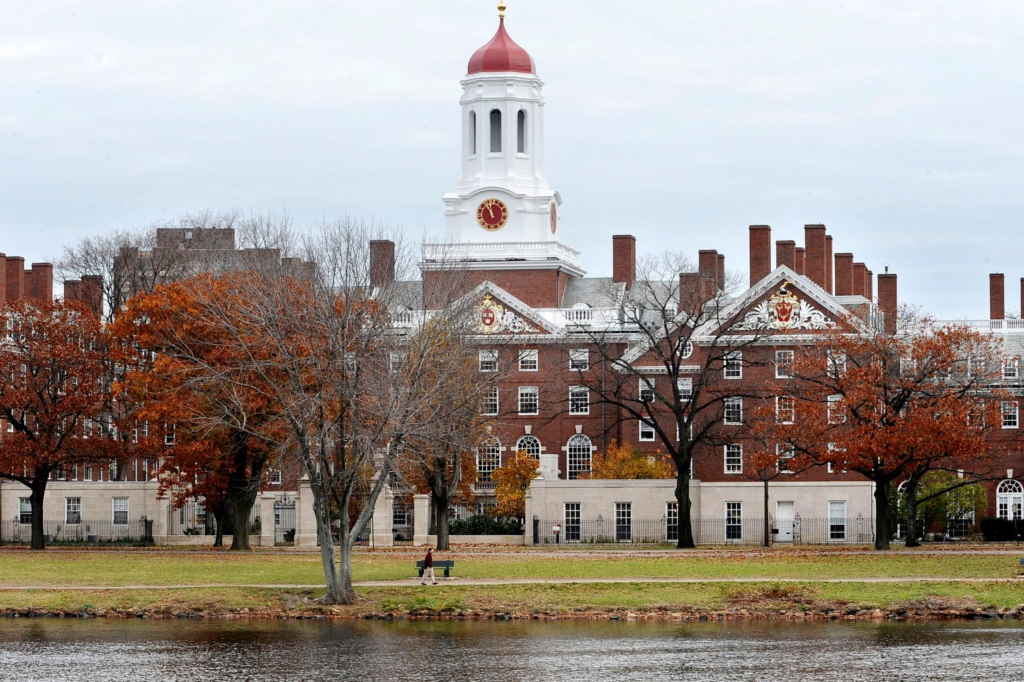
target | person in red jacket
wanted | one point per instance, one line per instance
(428, 567)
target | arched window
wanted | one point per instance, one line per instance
(495, 130)
(472, 133)
(521, 132)
(1009, 499)
(488, 458)
(530, 445)
(578, 454)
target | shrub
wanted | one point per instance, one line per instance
(484, 525)
(1001, 530)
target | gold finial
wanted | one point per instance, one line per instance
(501, 10)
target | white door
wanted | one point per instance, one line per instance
(785, 512)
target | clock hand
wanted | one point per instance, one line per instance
(491, 209)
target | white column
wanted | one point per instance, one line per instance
(383, 519)
(305, 521)
(163, 508)
(268, 532)
(421, 521)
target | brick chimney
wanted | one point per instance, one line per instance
(801, 258)
(828, 263)
(720, 272)
(870, 285)
(3, 279)
(382, 262)
(814, 259)
(624, 259)
(15, 267)
(707, 265)
(91, 293)
(996, 297)
(888, 301)
(860, 273)
(785, 253)
(39, 282)
(760, 253)
(1022, 297)
(844, 274)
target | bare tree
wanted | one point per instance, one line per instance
(686, 342)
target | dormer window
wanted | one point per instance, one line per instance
(495, 131)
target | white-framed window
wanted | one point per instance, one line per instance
(1009, 499)
(671, 521)
(783, 364)
(579, 400)
(488, 459)
(686, 350)
(529, 400)
(72, 510)
(733, 521)
(785, 454)
(785, 409)
(275, 477)
(685, 387)
(836, 414)
(1010, 368)
(24, 510)
(579, 359)
(145, 469)
(734, 458)
(120, 511)
(835, 459)
(395, 361)
(495, 120)
(528, 360)
(908, 366)
(571, 528)
(87, 474)
(521, 132)
(489, 401)
(488, 360)
(578, 456)
(733, 365)
(472, 133)
(530, 445)
(623, 521)
(733, 412)
(646, 390)
(647, 432)
(169, 435)
(836, 520)
(836, 363)
(1009, 410)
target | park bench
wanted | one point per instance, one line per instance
(446, 564)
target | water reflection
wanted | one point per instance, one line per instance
(274, 650)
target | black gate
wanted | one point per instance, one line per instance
(284, 521)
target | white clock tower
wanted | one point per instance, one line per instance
(502, 214)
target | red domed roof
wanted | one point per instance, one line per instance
(500, 54)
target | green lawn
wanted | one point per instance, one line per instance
(140, 567)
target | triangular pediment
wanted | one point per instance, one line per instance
(783, 302)
(496, 311)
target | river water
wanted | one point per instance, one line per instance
(46, 649)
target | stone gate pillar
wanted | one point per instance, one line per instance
(421, 521)
(383, 519)
(268, 531)
(305, 521)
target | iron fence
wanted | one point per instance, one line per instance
(192, 518)
(402, 535)
(720, 531)
(83, 531)
(284, 521)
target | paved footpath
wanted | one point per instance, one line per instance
(471, 582)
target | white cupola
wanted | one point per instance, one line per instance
(502, 209)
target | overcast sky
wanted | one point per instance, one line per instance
(896, 124)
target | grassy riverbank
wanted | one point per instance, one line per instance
(750, 583)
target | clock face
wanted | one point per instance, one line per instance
(553, 213)
(492, 214)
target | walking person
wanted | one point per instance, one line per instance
(428, 567)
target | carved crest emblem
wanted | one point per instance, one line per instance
(491, 314)
(785, 310)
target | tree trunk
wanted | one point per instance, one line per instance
(439, 501)
(683, 498)
(767, 524)
(243, 486)
(219, 516)
(38, 489)
(322, 514)
(881, 514)
(239, 509)
(910, 507)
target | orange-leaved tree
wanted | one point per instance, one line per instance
(513, 480)
(54, 396)
(202, 393)
(884, 404)
(624, 462)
